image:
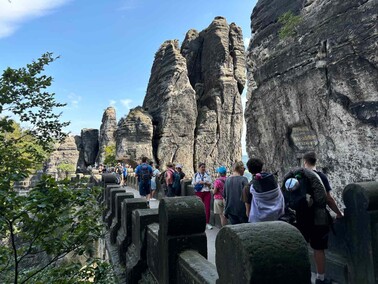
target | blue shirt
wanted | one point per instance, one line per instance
(139, 168)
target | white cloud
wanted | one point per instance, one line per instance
(112, 103)
(126, 103)
(74, 101)
(246, 42)
(16, 12)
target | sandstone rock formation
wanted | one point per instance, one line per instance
(107, 133)
(134, 136)
(79, 144)
(89, 145)
(66, 153)
(216, 68)
(316, 89)
(171, 101)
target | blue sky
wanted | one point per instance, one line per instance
(106, 48)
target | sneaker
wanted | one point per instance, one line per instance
(209, 227)
(325, 281)
(153, 199)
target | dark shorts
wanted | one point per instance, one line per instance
(317, 236)
(144, 188)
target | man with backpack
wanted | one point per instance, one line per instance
(307, 192)
(144, 173)
(178, 175)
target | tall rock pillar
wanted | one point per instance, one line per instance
(216, 66)
(107, 133)
(171, 101)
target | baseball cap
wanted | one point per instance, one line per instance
(179, 166)
(221, 170)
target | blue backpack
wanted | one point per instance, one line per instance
(145, 175)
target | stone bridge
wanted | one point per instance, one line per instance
(169, 244)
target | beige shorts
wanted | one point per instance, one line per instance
(218, 206)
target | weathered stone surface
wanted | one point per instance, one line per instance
(79, 144)
(266, 252)
(89, 144)
(171, 101)
(322, 80)
(181, 226)
(193, 268)
(65, 153)
(216, 64)
(107, 133)
(134, 136)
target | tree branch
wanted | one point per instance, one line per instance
(45, 266)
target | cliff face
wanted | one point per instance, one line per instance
(216, 68)
(89, 146)
(134, 136)
(315, 89)
(171, 101)
(107, 133)
(67, 153)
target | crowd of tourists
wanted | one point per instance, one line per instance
(301, 200)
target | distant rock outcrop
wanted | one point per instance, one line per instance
(315, 86)
(107, 133)
(65, 156)
(171, 101)
(89, 145)
(216, 68)
(134, 136)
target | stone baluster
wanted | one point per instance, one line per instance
(124, 235)
(266, 252)
(182, 224)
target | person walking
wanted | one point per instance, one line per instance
(318, 235)
(177, 177)
(235, 210)
(144, 174)
(155, 177)
(263, 199)
(202, 182)
(218, 194)
(169, 179)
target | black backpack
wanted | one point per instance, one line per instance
(145, 174)
(162, 177)
(298, 203)
(176, 181)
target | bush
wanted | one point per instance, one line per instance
(289, 24)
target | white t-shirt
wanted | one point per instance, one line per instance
(202, 177)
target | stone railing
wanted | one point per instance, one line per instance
(169, 244)
(352, 256)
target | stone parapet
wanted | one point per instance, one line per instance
(352, 256)
(266, 252)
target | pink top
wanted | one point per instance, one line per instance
(218, 184)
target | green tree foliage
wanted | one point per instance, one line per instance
(110, 155)
(66, 168)
(55, 219)
(289, 24)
